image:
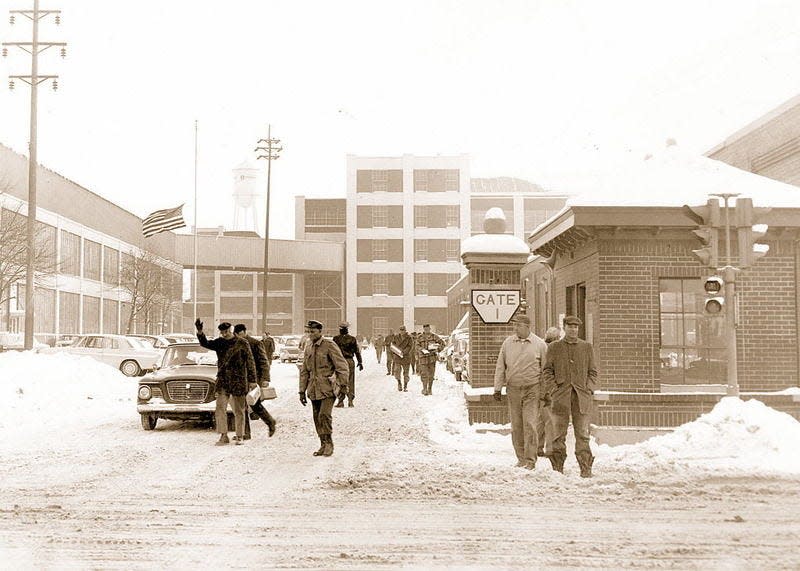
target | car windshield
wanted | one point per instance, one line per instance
(177, 355)
(292, 342)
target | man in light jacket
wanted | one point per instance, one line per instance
(519, 368)
(571, 378)
(321, 362)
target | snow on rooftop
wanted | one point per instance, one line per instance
(673, 178)
(494, 241)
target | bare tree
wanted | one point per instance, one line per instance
(13, 252)
(150, 288)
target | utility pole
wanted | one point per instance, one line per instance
(34, 48)
(272, 149)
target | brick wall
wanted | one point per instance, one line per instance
(486, 338)
(671, 410)
(628, 337)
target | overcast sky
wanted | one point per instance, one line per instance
(537, 89)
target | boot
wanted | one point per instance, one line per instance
(405, 386)
(399, 386)
(223, 439)
(328, 451)
(321, 446)
(350, 403)
(557, 461)
(585, 461)
(340, 403)
(271, 424)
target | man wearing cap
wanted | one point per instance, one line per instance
(377, 342)
(544, 428)
(428, 347)
(322, 359)
(519, 368)
(571, 378)
(236, 374)
(348, 345)
(402, 346)
(262, 374)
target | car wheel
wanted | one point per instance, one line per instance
(130, 368)
(149, 421)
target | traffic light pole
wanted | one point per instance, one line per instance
(729, 277)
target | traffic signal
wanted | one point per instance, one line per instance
(749, 231)
(708, 219)
(715, 304)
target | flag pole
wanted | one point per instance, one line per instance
(194, 274)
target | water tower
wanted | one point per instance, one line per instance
(245, 197)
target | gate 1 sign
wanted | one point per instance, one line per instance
(495, 306)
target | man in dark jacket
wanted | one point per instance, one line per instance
(401, 361)
(269, 350)
(571, 378)
(236, 374)
(262, 373)
(428, 346)
(322, 359)
(348, 345)
(387, 343)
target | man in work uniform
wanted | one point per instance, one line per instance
(262, 373)
(348, 345)
(402, 362)
(519, 367)
(322, 359)
(428, 347)
(387, 342)
(571, 378)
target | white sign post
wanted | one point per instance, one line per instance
(495, 306)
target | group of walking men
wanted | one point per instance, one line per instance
(547, 382)
(243, 364)
(416, 351)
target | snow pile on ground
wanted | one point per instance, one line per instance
(44, 395)
(737, 438)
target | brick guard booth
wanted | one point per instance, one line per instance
(494, 261)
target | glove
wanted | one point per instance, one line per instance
(360, 367)
(198, 324)
(497, 395)
(303, 399)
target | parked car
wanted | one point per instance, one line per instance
(457, 355)
(290, 350)
(128, 354)
(180, 337)
(181, 387)
(16, 342)
(156, 341)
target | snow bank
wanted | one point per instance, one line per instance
(42, 395)
(737, 438)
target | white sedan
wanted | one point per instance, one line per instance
(128, 354)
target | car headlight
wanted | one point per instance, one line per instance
(145, 393)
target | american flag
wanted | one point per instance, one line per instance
(161, 220)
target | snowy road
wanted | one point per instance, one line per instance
(404, 488)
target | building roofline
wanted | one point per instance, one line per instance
(756, 124)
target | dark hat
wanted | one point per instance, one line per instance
(223, 326)
(427, 325)
(402, 328)
(239, 327)
(344, 325)
(572, 320)
(523, 319)
(313, 324)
